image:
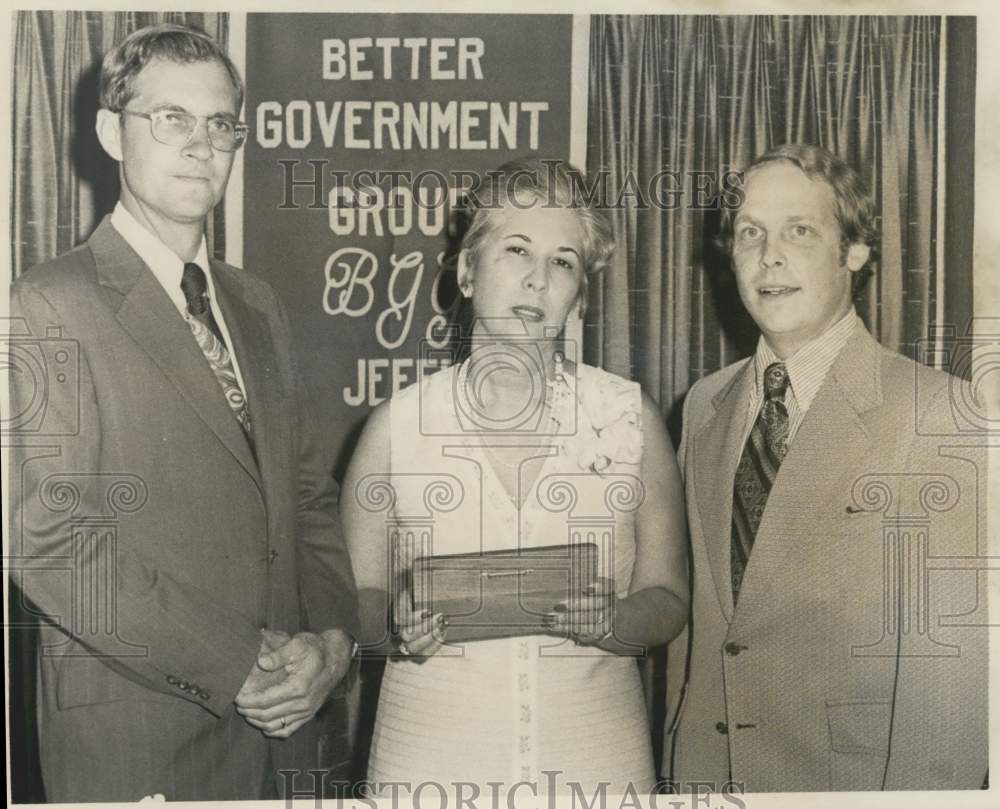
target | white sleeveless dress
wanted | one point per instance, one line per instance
(538, 708)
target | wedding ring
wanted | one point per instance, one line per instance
(284, 724)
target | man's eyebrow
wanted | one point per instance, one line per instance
(743, 216)
(166, 105)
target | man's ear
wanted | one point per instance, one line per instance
(857, 256)
(465, 273)
(109, 133)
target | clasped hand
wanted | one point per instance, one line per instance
(292, 678)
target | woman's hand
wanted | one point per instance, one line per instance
(420, 634)
(417, 634)
(588, 617)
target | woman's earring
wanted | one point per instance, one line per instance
(466, 289)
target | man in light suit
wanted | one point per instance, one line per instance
(199, 600)
(824, 474)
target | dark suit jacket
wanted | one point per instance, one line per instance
(855, 657)
(168, 545)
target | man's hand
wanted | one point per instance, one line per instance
(260, 679)
(305, 670)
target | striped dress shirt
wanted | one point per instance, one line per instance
(807, 368)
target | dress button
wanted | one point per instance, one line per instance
(184, 685)
(204, 695)
(172, 680)
(271, 556)
(722, 727)
(734, 649)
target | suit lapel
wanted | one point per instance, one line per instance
(149, 316)
(831, 443)
(254, 349)
(717, 452)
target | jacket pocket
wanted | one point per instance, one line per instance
(859, 727)
(859, 743)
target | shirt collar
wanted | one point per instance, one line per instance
(807, 367)
(161, 260)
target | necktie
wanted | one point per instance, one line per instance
(209, 337)
(764, 451)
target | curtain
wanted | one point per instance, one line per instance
(62, 185)
(63, 182)
(703, 95)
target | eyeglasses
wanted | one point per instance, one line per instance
(176, 128)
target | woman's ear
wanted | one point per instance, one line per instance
(465, 274)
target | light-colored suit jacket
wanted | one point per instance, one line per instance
(856, 655)
(158, 542)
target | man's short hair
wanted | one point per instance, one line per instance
(854, 208)
(167, 41)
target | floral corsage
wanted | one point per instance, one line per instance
(607, 423)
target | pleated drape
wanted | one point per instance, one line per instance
(700, 96)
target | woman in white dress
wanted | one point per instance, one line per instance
(516, 446)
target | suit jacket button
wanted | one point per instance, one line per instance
(733, 649)
(722, 727)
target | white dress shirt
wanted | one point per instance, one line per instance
(168, 269)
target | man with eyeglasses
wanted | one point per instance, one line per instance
(187, 647)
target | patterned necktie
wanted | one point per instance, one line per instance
(211, 342)
(764, 451)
